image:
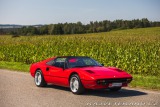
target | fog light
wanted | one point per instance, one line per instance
(103, 82)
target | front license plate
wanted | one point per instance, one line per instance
(116, 84)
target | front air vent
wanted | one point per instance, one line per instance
(117, 80)
(89, 71)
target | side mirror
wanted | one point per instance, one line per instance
(102, 64)
(65, 66)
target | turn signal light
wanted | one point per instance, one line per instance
(129, 80)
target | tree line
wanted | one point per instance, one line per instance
(79, 28)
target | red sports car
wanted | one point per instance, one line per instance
(78, 73)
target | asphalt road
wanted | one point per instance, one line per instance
(17, 89)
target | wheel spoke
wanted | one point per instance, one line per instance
(38, 78)
(74, 84)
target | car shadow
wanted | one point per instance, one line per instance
(104, 93)
(117, 94)
(57, 87)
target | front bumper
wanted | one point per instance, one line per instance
(105, 83)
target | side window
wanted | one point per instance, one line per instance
(59, 62)
(50, 62)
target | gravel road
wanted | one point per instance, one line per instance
(17, 89)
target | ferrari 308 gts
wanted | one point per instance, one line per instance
(78, 73)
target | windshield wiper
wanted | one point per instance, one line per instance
(80, 66)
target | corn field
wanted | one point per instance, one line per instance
(137, 51)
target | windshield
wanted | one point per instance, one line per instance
(82, 62)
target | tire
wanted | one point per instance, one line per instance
(76, 86)
(115, 89)
(39, 79)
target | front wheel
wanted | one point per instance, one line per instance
(39, 79)
(75, 85)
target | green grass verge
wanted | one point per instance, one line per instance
(18, 66)
(146, 82)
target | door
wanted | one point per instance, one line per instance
(57, 73)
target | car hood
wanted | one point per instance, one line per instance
(106, 72)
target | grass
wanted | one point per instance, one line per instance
(18, 66)
(145, 82)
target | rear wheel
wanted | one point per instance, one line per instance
(39, 79)
(115, 89)
(75, 85)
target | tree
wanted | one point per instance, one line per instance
(43, 30)
(50, 29)
(79, 28)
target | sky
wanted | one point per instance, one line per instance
(31, 12)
